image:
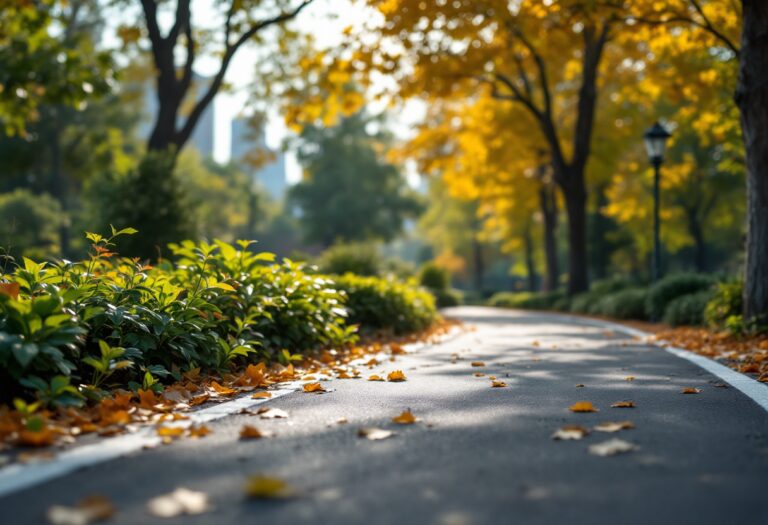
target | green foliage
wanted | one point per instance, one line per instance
(349, 192)
(357, 258)
(625, 304)
(687, 309)
(387, 304)
(726, 304)
(29, 224)
(148, 198)
(526, 300)
(672, 287)
(434, 277)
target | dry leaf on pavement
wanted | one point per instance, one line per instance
(251, 432)
(395, 376)
(264, 487)
(611, 447)
(614, 426)
(498, 384)
(629, 378)
(89, 510)
(272, 413)
(406, 418)
(582, 406)
(374, 434)
(180, 501)
(375, 377)
(477, 363)
(199, 431)
(313, 387)
(690, 391)
(570, 432)
(261, 395)
(623, 404)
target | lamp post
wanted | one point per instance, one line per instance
(656, 143)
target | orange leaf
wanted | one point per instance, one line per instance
(313, 387)
(148, 399)
(200, 431)
(262, 395)
(199, 400)
(396, 375)
(582, 406)
(406, 418)
(479, 374)
(375, 378)
(222, 390)
(41, 438)
(10, 289)
(498, 384)
(477, 363)
(690, 390)
(170, 432)
(250, 432)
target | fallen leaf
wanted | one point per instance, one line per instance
(611, 426)
(180, 501)
(611, 447)
(374, 377)
(396, 349)
(580, 385)
(264, 487)
(199, 400)
(498, 384)
(37, 438)
(623, 404)
(570, 432)
(272, 413)
(313, 387)
(374, 434)
(479, 374)
(251, 432)
(199, 431)
(629, 378)
(90, 509)
(171, 432)
(535, 344)
(395, 376)
(406, 418)
(477, 363)
(262, 395)
(582, 406)
(342, 421)
(222, 390)
(690, 390)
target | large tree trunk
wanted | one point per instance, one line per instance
(548, 201)
(752, 99)
(479, 264)
(576, 209)
(696, 231)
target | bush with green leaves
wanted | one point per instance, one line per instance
(357, 258)
(438, 281)
(726, 304)
(109, 321)
(670, 288)
(687, 310)
(526, 300)
(387, 304)
(625, 304)
(29, 224)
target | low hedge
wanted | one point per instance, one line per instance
(725, 307)
(68, 331)
(687, 310)
(386, 304)
(672, 287)
(526, 300)
(625, 304)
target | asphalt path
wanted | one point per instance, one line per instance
(477, 455)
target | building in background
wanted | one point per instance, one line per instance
(202, 138)
(247, 143)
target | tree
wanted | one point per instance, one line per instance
(349, 192)
(243, 22)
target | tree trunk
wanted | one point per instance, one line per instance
(479, 265)
(576, 209)
(530, 264)
(699, 242)
(548, 201)
(752, 99)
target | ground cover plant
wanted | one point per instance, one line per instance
(74, 333)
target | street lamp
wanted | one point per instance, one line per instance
(655, 143)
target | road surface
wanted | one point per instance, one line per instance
(477, 455)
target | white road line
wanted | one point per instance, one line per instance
(755, 390)
(16, 477)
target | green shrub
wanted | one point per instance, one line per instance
(625, 304)
(672, 287)
(687, 309)
(448, 298)
(726, 303)
(434, 277)
(29, 224)
(526, 300)
(611, 285)
(387, 304)
(357, 258)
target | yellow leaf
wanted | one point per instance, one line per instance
(313, 387)
(629, 378)
(171, 432)
(406, 418)
(263, 487)
(261, 395)
(199, 431)
(395, 376)
(498, 384)
(477, 363)
(582, 406)
(374, 377)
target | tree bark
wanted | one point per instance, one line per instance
(530, 264)
(479, 264)
(548, 202)
(752, 99)
(576, 209)
(696, 231)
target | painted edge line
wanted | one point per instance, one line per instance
(754, 390)
(16, 477)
